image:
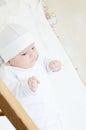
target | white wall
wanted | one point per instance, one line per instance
(71, 27)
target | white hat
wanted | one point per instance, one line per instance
(13, 39)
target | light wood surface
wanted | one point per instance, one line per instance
(13, 110)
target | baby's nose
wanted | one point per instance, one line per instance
(31, 55)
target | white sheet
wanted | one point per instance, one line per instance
(69, 91)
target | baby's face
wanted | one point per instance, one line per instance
(25, 59)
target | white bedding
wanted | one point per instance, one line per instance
(69, 91)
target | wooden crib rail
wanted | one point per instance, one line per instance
(1, 113)
(13, 110)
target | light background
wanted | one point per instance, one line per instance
(71, 29)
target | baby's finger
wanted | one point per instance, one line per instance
(33, 77)
(38, 81)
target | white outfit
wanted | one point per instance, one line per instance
(40, 104)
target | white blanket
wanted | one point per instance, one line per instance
(69, 91)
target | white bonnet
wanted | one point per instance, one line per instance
(13, 39)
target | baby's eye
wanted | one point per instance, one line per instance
(33, 48)
(23, 54)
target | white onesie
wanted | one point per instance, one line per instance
(39, 105)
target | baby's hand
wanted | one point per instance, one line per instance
(33, 83)
(55, 65)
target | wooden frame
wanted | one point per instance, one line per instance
(13, 110)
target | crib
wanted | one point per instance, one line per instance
(11, 108)
(69, 90)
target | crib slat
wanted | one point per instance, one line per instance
(14, 111)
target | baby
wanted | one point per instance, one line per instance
(26, 75)
(27, 59)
